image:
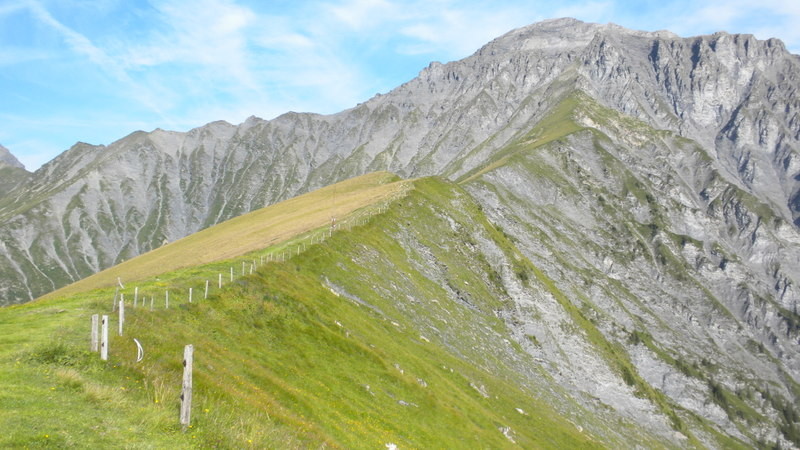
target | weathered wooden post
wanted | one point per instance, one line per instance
(104, 339)
(231, 273)
(95, 332)
(186, 392)
(166, 301)
(252, 267)
(151, 302)
(121, 315)
(205, 294)
(190, 295)
(135, 296)
(243, 272)
(219, 283)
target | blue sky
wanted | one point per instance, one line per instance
(97, 70)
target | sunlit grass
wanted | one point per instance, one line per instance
(281, 360)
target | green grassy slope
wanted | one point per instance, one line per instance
(385, 333)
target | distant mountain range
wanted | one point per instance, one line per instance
(654, 179)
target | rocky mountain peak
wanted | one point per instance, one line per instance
(557, 35)
(8, 159)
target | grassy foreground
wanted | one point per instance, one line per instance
(346, 344)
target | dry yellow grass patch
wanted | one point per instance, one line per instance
(253, 231)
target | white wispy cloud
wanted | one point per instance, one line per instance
(78, 42)
(102, 61)
(362, 14)
(252, 59)
(207, 33)
(11, 7)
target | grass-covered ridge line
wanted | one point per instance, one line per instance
(337, 346)
(252, 231)
(557, 124)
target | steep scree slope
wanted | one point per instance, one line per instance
(693, 276)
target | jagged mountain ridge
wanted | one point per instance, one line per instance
(12, 172)
(653, 178)
(8, 159)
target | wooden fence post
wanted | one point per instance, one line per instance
(219, 284)
(151, 302)
(135, 296)
(186, 392)
(205, 295)
(95, 332)
(243, 273)
(190, 295)
(104, 339)
(166, 297)
(231, 273)
(121, 315)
